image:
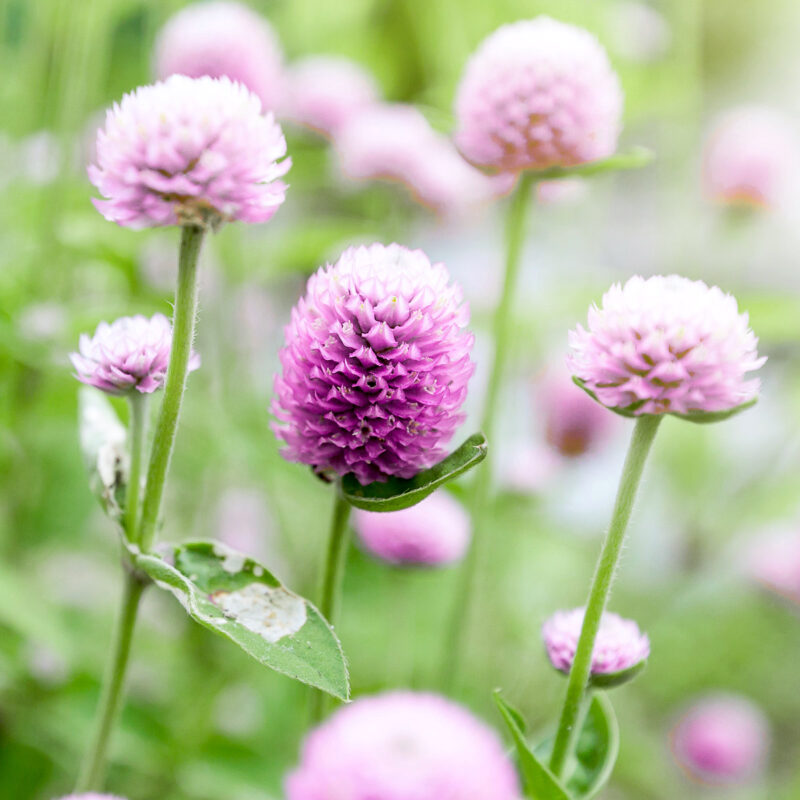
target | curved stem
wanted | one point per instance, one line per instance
(138, 436)
(332, 577)
(93, 770)
(502, 328)
(182, 337)
(643, 434)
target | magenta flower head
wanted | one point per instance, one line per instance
(189, 152)
(222, 39)
(666, 345)
(723, 739)
(375, 366)
(403, 746)
(774, 562)
(433, 533)
(323, 92)
(620, 651)
(750, 157)
(538, 93)
(130, 354)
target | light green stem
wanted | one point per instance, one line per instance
(137, 434)
(92, 774)
(332, 577)
(455, 635)
(182, 338)
(643, 434)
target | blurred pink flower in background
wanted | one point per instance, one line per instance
(435, 532)
(774, 561)
(620, 645)
(323, 92)
(403, 745)
(666, 345)
(751, 158)
(189, 151)
(242, 522)
(375, 367)
(538, 93)
(722, 739)
(132, 353)
(222, 39)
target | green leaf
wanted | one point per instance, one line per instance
(634, 159)
(396, 493)
(609, 680)
(540, 783)
(698, 417)
(239, 599)
(596, 750)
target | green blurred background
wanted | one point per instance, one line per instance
(202, 721)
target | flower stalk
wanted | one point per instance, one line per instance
(137, 435)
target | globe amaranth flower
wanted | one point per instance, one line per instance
(130, 354)
(722, 739)
(375, 366)
(666, 345)
(222, 39)
(538, 93)
(324, 92)
(403, 746)
(773, 560)
(189, 151)
(750, 158)
(432, 533)
(620, 647)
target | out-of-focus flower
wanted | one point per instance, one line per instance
(529, 468)
(538, 93)
(774, 561)
(402, 745)
(243, 523)
(574, 423)
(132, 353)
(722, 739)
(222, 39)
(637, 31)
(375, 366)
(189, 152)
(619, 647)
(395, 142)
(666, 345)
(323, 92)
(750, 158)
(560, 192)
(432, 533)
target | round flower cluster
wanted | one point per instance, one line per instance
(324, 92)
(433, 533)
(222, 39)
(619, 645)
(722, 739)
(538, 93)
(666, 345)
(189, 152)
(375, 367)
(132, 353)
(403, 746)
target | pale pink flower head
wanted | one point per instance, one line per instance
(403, 746)
(666, 345)
(750, 158)
(434, 532)
(222, 39)
(538, 93)
(620, 649)
(189, 151)
(375, 366)
(130, 354)
(774, 561)
(723, 739)
(324, 92)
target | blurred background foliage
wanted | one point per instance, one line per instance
(203, 722)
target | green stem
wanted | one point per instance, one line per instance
(332, 577)
(138, 436)
(93, 770)
(455, 634)
(182, 338)
(643, 434)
